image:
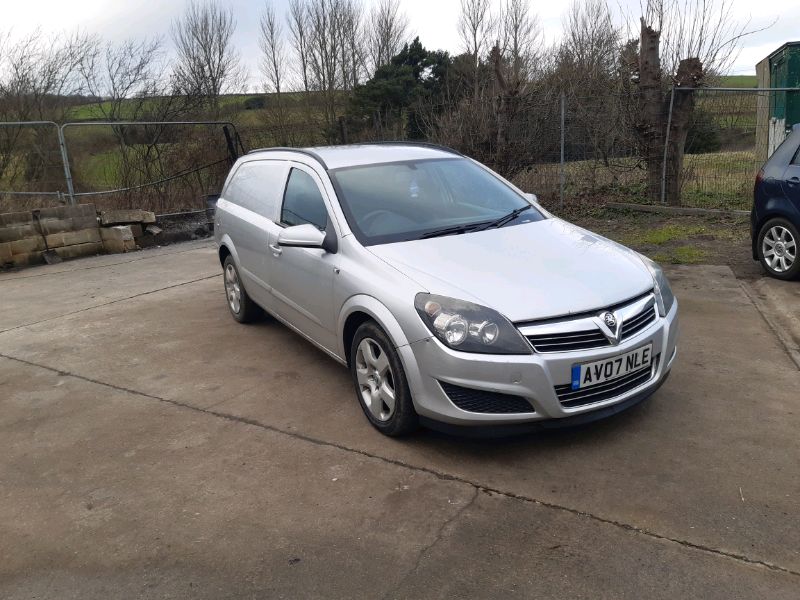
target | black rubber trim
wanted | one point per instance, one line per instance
(485, 402)
(580, 315)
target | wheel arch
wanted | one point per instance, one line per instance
(361, 308)
(226, 248)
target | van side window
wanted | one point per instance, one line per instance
(256, 186)
(302, 202)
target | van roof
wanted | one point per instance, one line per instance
(336, 157)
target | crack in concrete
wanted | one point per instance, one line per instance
(76, 312)
(441, 475)
(437, 538)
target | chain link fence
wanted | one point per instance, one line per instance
(731, 134)
(569, 149)
(161, 166)
(31, 166)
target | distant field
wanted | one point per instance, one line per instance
(738, 81)
(714, 180)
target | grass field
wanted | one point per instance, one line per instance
(738, 81)
(713, 180)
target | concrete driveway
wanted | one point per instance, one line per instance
(151, 447)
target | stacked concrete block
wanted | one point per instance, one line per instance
(136, 222)
(73, 231)
(126, 217)
(118, 238)
(70, 230)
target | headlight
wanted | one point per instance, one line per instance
(664, 296)
(469, 327)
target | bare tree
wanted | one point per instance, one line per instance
(325, 53)
(298, 21)
(511, 60)
(37, 72)
(701, 29)
(127, 83)
(273, 62)
(120, 77)
(475, 27)
(38, 76)
(588, 72)
(591, 41)
(387, 31)
(352, 46)
(272, 46)
(682, 42)
(207, 63)
(520, 39)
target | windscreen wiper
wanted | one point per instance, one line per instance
(506, 218)
(453, 230)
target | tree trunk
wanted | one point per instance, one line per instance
(501, 113)
(690, 74)
(651, 126)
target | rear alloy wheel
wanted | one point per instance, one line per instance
(777, 249)
(380, 382)
(242, 308)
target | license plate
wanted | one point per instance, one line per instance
(599, 371)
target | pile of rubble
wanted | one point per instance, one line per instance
(126, 230)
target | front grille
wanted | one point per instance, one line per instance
(479, 401)
(636, 324)
(574, 340)
(570, 398)
(590, 336)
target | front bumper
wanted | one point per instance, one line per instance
(533, 377)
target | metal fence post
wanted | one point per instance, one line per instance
(65, 159)
(666, 148)
(563, 136)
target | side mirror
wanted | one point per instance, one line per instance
(307, 236)
(532, 197)
(301, 236)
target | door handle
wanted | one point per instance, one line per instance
(276, 249)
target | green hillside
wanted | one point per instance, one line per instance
(738, 81)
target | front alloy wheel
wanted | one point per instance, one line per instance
(375, 379)
(380, 381)
(778, 245)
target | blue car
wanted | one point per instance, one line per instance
(775, 218)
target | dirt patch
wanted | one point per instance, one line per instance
(181, 227)
(675, 239)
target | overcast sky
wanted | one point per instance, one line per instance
(435, 21)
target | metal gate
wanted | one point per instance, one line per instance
(233, 148)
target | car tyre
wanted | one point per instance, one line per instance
(778, 245)
(380, 382)
(242, 308)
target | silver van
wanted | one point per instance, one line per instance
(454, 298)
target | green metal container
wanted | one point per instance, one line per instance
(777, 112)
(784, 71)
